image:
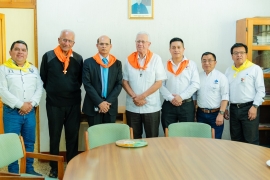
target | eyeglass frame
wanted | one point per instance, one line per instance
(139, 41)
(207, 61)
(241, 53)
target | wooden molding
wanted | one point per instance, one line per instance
(24, 4)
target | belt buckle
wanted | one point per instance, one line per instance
(238, 105)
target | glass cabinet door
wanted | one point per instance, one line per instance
(261, 35)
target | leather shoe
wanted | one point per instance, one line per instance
(33, 173)
(53, 174)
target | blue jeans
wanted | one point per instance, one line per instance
(24, 125)
(210, 118)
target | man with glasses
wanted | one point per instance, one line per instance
(183, 81)
(142, 78)
(20, 91)
(102, 80)
(61, 72)
(247, 91)
(213, 95)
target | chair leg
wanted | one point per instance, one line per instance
(131, 133)
(166, 132)
(213, 133)
(86, 142)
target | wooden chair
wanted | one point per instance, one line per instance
(12, 148)
(190, 129)
(102, 134)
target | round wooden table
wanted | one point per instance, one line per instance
(172, 158)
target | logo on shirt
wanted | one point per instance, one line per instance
(216, 81)
(31, 70)
(242, 79)
(10, 71)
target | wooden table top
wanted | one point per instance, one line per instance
(172, 158)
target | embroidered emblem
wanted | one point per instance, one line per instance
(10, 71)
(31, 70)
(216, 81)
(242, 79)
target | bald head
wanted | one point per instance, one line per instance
(103, 37)
(104, 45)
(67, 31)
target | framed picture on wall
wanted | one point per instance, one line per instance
(141, 9)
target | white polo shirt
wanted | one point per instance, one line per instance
(247, 86)
(17, 87)
(185, 84)
(214, 88)
(140, 81)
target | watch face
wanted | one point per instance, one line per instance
(221, 112)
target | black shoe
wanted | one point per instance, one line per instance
(33, 173)
(53, 174)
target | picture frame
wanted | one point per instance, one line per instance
(141, 9)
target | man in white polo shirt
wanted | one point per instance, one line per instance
(247, 91)
(213, 95)
(183, 81)
(142, 78)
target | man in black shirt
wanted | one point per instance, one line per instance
(61, 72)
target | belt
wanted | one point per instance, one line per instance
(240, 105)
(205, 110)
(187, 100)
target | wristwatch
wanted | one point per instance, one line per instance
(221, 112)
(254, 105)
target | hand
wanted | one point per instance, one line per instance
(26, 108)
(177, 100)
(252, 113)
(226, 114)
(104, 107)
(219, 119)
(139, 100)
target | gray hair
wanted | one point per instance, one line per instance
(144, 33)
(67, 30)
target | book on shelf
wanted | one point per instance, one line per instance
(264, 125)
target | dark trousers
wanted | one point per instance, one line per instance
(150, 121)
(210, 118)
(57, 118)
(173, 114)
(241, 128)
(100, 118)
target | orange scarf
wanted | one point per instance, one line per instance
(64, 59)
(182, 66)
(100, 62)
(133, 60)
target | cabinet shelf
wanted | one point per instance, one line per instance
(264, 128)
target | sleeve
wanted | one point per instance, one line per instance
(125, 72)
(113, 96)
(39, 90)
(224, 88)
(87, 83)
(194, 82)
(259, 87)
(43, 70)
(7, 97)
(160, 73)
(166, 94)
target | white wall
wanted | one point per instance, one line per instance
(204, 25)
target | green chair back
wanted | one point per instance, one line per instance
(190, 129)
(102, 134)
(10, 149)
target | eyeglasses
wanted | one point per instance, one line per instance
(67, 40)
(143, 42)
(104, 44)
(241, 53)
(207, 61)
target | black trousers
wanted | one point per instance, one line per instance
(173, 114)
(69, 117)
(100, 118)
(241, 128)
(150, 121)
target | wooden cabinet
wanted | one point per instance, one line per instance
(18, 4)
(255, 33)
